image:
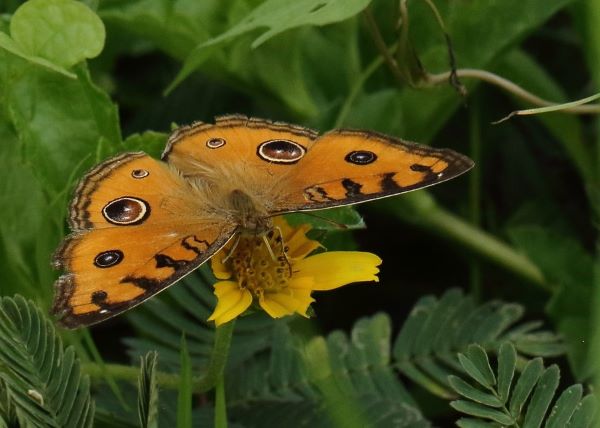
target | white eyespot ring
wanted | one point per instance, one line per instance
(139, 173)
(281, 151)
(215, 143)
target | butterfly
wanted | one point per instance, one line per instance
(139, 224)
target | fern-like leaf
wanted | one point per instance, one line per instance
(438, 329)
(148, 391)
(43, 382)
(492, 399)
(330, 381)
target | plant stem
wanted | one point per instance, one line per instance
(420, 209)
(218, 357)
(508, 86)
(220, 407)
(200, 384)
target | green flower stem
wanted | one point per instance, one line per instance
(218, 357)
(220, 405)
(420, 209)
(205, 383)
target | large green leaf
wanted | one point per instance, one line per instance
(52, 129)
(176, 27)
(64, 32)
(55, 34)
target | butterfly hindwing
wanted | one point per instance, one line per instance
(130, 240)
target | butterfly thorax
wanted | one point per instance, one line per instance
(250, 218)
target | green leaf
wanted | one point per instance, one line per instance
(281, 15)
(542, 396)
(543, 382)
(148, 391)
(337, 379)
(11, 46)
(529, 377)
(184, 398)
(477, 367)
(43, 381)
(278, 16)
(53, 128)
(472, 393)
(507, 363)
(344, 218)
(437, 330)
(63, 32)
(586, 412)
(479, 410)
(149, 142)
(564, 407)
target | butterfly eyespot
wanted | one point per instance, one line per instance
(126, 211)
(281, 151)
(139, 173)
(215, 143)
(361, 157)
(108, 259)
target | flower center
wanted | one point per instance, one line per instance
(256, 268)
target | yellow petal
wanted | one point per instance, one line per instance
(337, 268)
(283, 225)
(277, 306)
(301, 283)
(299, 246)
(232, 301)
(217, 266)
(303, 300)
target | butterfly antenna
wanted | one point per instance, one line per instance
(337, 224)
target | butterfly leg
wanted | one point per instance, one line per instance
(284, 249)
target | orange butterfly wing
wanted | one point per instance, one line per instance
(138, 227)
(307, 172)
(346, 167)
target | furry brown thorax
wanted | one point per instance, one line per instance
(252, 220)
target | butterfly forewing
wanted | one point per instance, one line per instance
(137, 230)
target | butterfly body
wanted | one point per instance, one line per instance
(140, 224)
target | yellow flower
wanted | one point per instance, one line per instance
(282, 285)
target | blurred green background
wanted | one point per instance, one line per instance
(520, 227)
